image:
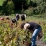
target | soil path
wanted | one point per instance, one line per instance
(40, 43)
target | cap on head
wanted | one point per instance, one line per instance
(26, 26)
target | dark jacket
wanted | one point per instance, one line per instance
(33, 26)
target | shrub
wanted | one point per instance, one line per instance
(8, 8)
(29, 11)
(35, 11)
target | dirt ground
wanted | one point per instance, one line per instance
(40, 43)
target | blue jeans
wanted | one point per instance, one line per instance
(35, 34)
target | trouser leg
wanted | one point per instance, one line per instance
(35, 33)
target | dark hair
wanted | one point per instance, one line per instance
(14, 20)
(17, 17)
(22, 25)
(23, 17)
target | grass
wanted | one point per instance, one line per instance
(36, 19)
(10, 35)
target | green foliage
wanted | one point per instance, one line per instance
(44, 33)
(0, 12)
(29, 11)
(11, 35)
(40, 9)
(1, 2)
(14, 6)
(14, 36)
(8, 8)
(35, 10)
(28, 2)
(37, 1)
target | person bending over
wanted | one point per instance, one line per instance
(17, 16)
(35, 29)
(23, 17)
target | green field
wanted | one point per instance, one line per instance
(10, 35)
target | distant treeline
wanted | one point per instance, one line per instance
(23, 6)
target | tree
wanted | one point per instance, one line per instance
(8, 7)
